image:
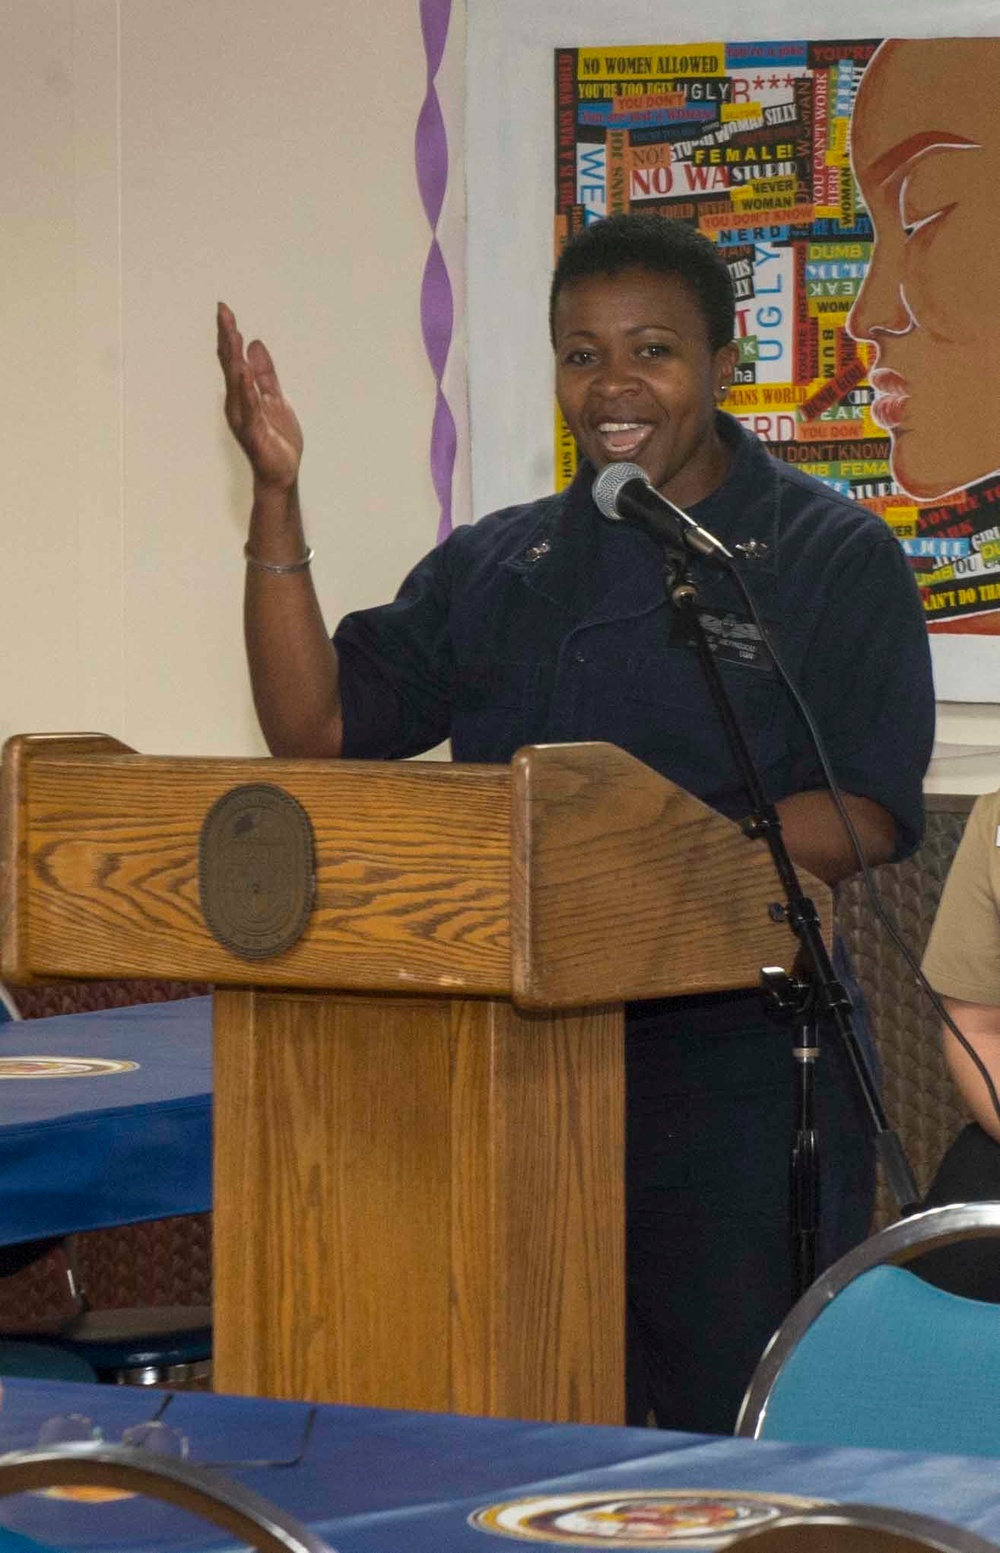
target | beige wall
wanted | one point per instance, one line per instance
(157, 155)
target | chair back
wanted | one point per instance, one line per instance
(874, 1356)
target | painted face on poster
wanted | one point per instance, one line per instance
(925, 146)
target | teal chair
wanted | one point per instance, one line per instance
(43, 1361)
(872, 1355)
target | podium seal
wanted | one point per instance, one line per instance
(256, 870)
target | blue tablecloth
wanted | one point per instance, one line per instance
(124, 1137)
(374, 1481)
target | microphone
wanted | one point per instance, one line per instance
(623, 493)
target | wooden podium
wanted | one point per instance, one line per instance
(419, 1104)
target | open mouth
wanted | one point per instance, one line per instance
(892, 393)
(622, 439)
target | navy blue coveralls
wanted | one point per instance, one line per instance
(548, 623)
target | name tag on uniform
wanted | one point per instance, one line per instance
(731, 639)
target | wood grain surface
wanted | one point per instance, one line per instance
(412, 876)
(575, 877)
(624, 886)
(15, 873)
(419, 1204)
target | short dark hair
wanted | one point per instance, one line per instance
(634, 240)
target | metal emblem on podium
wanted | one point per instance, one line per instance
(256, 870)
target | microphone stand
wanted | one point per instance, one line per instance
(812, 994)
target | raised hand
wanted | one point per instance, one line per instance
(259, 415)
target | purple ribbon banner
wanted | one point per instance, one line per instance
(437, 314)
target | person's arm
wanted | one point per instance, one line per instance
(980, 1024)
(293, 665)
(866, 677)
(962, 960)
(817, 840)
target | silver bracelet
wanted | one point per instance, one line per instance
(271, 566)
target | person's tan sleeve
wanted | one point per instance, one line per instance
(962, 959)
